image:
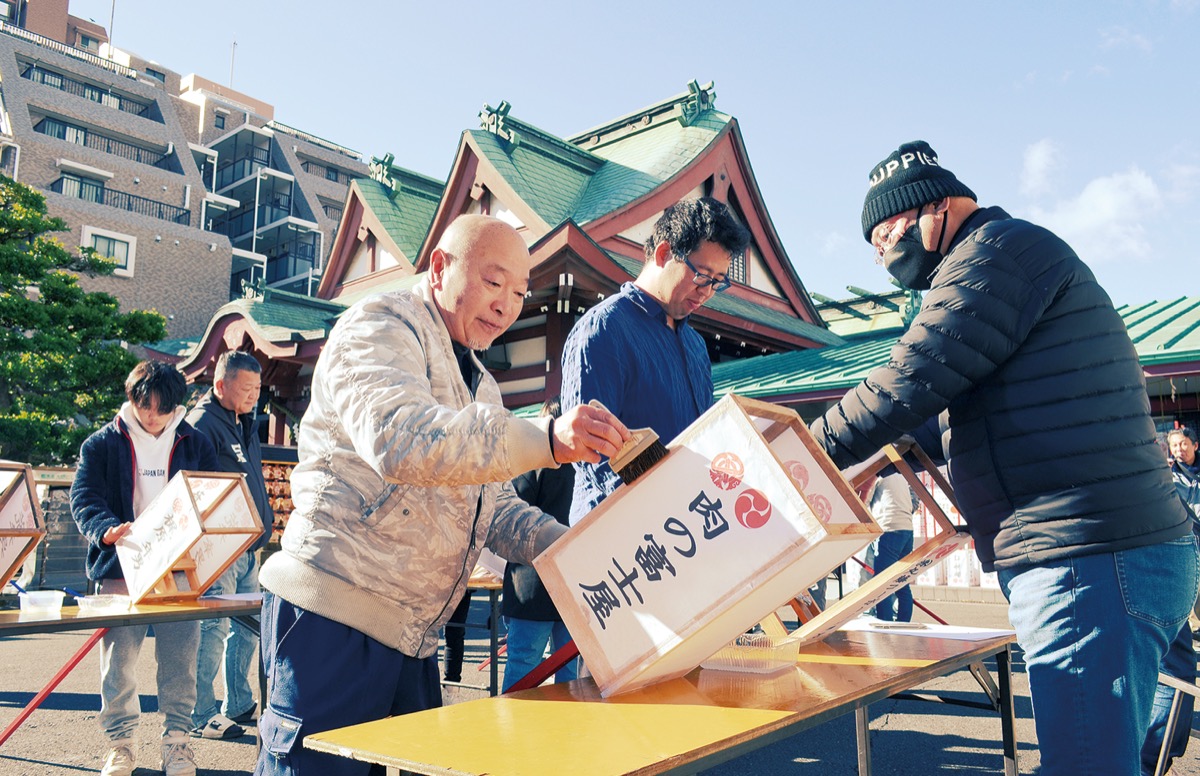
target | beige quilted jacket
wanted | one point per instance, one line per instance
(402, 478)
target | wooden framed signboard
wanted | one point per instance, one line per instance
(192, 531)
(21, 523)
(743, 513)
(948, 538)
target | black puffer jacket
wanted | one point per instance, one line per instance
(1050, 444)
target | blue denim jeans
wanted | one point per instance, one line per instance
(890, 547)
(325, 675)
(175, 653)
(1094, 630)
(217, 637)
(527, 641)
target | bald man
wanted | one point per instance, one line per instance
(405, 457)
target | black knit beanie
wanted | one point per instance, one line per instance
(908, 178)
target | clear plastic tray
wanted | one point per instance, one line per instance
(103, 604)
(757, 653)
(42, 601)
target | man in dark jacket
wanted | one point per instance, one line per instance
(226, 416)
(1050, 447)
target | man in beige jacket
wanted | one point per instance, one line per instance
(405, 457)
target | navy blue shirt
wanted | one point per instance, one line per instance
(623, 353)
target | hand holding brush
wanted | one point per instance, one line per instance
(588, 433)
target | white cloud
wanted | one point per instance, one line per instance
(1041, 159)
(836, 244)
(1105, 222)
(1181, 182)
(1120, 37)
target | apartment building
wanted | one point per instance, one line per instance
(194, 189)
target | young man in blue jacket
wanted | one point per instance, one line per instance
(122, 467)
(226, 416)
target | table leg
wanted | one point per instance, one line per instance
(49, 688)
(862, 731)
(1168, 733)
(1008, 717)
(494, 634)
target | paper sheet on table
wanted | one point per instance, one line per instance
(237, 597)
(926, 630)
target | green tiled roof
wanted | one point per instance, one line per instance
(748, 311)
(639, 163)
(1165, 332)
(174, 347)
(281, 315)
(804, 371)
(1162, 333)
(544, 175)
(564, 180)
(406, 212)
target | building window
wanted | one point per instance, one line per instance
(7, 11)
(332, 211)
(88, 43)
(737, 269)
(219, 121)
(82, 188)
(331, 174)
(62, 131)
(113, 245)
(157, 76)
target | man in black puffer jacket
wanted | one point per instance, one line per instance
(1050, 448)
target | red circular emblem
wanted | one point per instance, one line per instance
(726, 471)
(822, 507)
(945, 550)
(798, 472)
(752, 509)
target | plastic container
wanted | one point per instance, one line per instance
(757, 653)
(103, 604)
(42, 601)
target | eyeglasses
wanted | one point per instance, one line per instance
(882, 243)
(707, 281)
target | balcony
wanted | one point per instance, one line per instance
(92, 191)
(89, 139)
(241, 221)
(54, 80)
(243, 167)
(62, 48)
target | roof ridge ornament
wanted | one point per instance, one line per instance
(494, 121)
(255, 288)
(381, 170)
(698, 100)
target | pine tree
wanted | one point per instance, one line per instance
(63, 356)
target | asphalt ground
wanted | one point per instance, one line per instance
(62, 738)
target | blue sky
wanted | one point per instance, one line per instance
(1080, 116)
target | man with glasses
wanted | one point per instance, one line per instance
(1046, 428)
(636, 351)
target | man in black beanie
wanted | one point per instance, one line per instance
(1019, 356)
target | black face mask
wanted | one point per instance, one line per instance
(909, 261)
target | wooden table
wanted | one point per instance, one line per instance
(682, 726)
(13, 622)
